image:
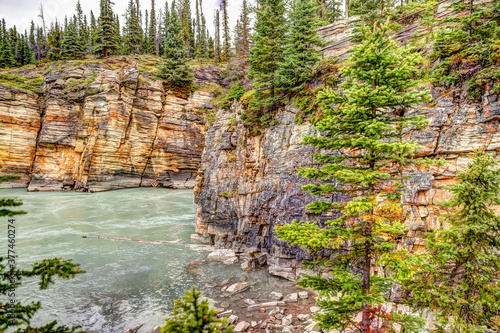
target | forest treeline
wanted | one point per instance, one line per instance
(272, 53)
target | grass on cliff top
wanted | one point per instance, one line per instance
(15, 81)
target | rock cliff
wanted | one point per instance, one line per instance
(248, 184)
(102, 125)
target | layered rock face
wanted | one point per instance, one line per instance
(102, 126)
(248, 184)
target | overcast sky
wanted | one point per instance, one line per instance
(21, 12)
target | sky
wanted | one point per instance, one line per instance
(21, 12)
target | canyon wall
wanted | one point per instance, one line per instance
(247, 184)
(102, 125)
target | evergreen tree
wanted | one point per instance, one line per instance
(467, 49)
(55, 41)
(460, 278)
(217, 49)
(211, 47)
(7, 55)
(194, 315)
(11, 277)
(173, 70)
(94, 30)
(198, 30)
(187, 28)
(330, 10)
(300, 54)
(265, 54)
(80, 24)
(71, 44)
(152, 30)
(204, 51)
(24, 52)
(362, 136)
(107, 35)
(226, 34)
(133, 31)
(245, 29)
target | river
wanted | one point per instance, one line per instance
(127, 283)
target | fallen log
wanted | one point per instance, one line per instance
(130, 240)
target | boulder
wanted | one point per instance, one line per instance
(276, 295)
(241, 327)
(303, 294)
(221, 255)
(237, 287)
(291, 298)
(232, 319)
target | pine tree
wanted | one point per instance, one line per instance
(211, 48)
(329, 10)
(106, 37)
(194, 315)
(7, 55)
(11, 276)
(467, 49)
(217, 49)
(226, 33)
(55, 40)
(152, 30)
(300, 54)
(204, 47)
(81, 27)
(71, 44)
(94, 30)
(245, 29)
(187, 28)
(361, 134)
(173, 70)
(460, 278)
(265, 54)
(133, 31)
(24, 52)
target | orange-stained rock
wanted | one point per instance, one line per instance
(101, 128)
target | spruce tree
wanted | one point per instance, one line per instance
(226, 33)
(460, 278)
(187, 27)
(194, 315)
(217, 49)
(7, 55)
(133, 32)
(55, 38)
(71, 44)
(107, 35)
(80, 24)
(94, 30)
(173, 70)
(300, 50)
(265, 54)
(362, 149)
(152, 31)
(204, 46)
(245, 28)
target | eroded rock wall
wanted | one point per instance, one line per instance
(103, 126)
(248, 184)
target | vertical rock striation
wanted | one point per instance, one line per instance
(103, 126)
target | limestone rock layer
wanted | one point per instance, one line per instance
(102, 126)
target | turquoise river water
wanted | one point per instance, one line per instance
(127, 283)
